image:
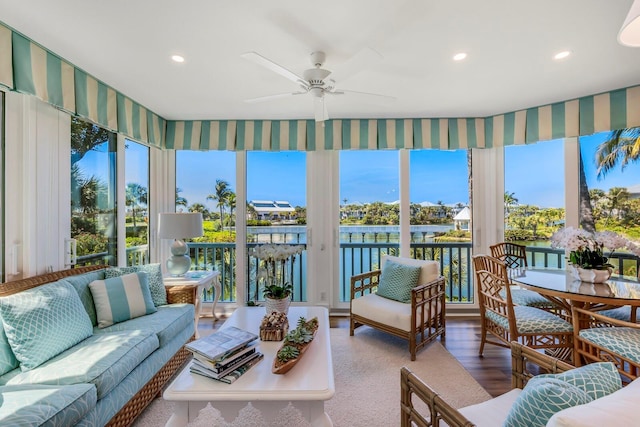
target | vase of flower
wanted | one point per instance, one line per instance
(279, 305)
(591, 275)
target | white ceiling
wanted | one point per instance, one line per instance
(510, 45)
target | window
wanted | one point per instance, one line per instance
(441, 216)
(137, 202)
(206, 182)
(534, 198)
(93, 193)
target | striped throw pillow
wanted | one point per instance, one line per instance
(121, 298)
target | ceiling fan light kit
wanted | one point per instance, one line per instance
(314, 81)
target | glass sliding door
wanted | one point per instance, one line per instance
(137, 202)
(93, 193)
(206, 183)
(276, 214)
(534, 199)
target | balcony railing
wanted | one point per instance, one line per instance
(355, 258)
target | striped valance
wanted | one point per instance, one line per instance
(96, 101)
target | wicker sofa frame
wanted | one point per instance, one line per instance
(525, 363)
(427, 310)
(151, 389)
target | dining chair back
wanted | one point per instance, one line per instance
(512, 254)
(505, 322)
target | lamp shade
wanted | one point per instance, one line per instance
(629, 34)
(179, 225)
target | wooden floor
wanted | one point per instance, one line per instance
(492, 371)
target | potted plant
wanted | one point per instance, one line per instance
(275, 274)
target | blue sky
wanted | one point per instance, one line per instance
(534, 173)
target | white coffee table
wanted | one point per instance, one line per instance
(306, 386)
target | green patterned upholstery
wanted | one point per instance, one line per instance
(81, 283)
(397, 280)
(541, 398)
(621, 340)
(43, 322)
(528, 298)
(531, 320)
(8, 361)
(596, 379)
(620, 313)
(154, 272)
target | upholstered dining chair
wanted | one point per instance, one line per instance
(515, 257)
(607, 340)
(506, 322)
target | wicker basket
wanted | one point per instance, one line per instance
(181, 294)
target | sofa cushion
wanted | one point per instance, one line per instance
(397, 280)
(156, 284)
(540, 399)
(43, 322)
(429, 270)
(36, 405)
(386, 311)
(102, 359)
(615, 409)
(81, 283)
(492, 412)
(597, 379)
(121, 298)
(166, 323)
(8, 361)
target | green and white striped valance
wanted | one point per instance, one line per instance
(41, 73)
(96, 101)
(6, 57)
(132, 118)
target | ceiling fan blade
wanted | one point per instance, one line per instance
(320, 109)
(272, 97)
(269, 64)
(364, 59)
(375, 95)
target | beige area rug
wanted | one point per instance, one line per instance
(367, 379)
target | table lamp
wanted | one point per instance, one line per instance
(179, 226)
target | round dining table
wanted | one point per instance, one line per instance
(566, 290)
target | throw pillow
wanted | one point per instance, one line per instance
(8, 361)
(121, 298)
(540, 399)
(156, 284)
(42, 322)
(597, 379)
(397, 280)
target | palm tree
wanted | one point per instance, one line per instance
(231, 202)
(221, 194)
(622, 146)
(199, 207)
(180, 201)
(135, 195)
(510, 200)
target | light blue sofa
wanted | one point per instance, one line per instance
(107, 378)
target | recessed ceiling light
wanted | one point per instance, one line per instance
(562, 55)
(177, 58)
(459, 56)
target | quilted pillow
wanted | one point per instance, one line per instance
(540, 399)
(154, 271)
(397, 280)
(42, 322)
(596, 379)
(121, 298)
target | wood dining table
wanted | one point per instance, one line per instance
(564, 289)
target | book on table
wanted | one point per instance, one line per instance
(221, 344)
(242, 353)
(231, 374)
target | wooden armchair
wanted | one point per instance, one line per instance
(506, 322)
(607, 340)
(414, 390)
(420, 321)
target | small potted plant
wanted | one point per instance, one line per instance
(277, 297)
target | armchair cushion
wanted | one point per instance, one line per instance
(597, 379)
(383, 310)
(429, 270)
(397, 280)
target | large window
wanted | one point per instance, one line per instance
(534, 198)
(277, 213)
(93, 193)
(137, 202)
(441, 216)
(610, 189)
(369, 212)
(206, 183)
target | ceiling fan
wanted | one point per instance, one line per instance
(316, 81)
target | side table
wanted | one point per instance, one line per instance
(199, 280)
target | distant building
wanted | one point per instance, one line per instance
(273, 210)
(634, 191)
(462, 220)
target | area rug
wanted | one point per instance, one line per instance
(367, 380)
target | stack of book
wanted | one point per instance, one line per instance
(224, 355)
